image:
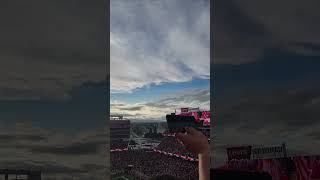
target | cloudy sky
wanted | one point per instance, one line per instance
(159, 52)
(53, 66)
(266, 75)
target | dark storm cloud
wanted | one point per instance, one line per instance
(244, 31)
(308, 46)
(54, 153)
(288, 106)
(24, 137)
(83, 143)
(236, 34)
(45, 167)
(93, 167)
(53, 170)
(49, 47)
(76, 149)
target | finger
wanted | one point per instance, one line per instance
(191, 130)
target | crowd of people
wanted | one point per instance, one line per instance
(172, 145)
(118, 144)
(146, 164)
(174, 157)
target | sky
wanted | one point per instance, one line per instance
(160, 57)
(53, 68)
(266, 76)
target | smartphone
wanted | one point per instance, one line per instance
(177, 123)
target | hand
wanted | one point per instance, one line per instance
(194, 140)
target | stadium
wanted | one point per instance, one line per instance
(155, 153)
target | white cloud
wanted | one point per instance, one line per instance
(158, 43)
(157, 110)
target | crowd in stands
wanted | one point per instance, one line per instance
(172, 145)
(148, 164)
(118, 144)
(144, 164)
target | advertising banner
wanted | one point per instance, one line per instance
(269, 152)
(241, 152)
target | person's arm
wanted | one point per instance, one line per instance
(204, 166)
(197, 142)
